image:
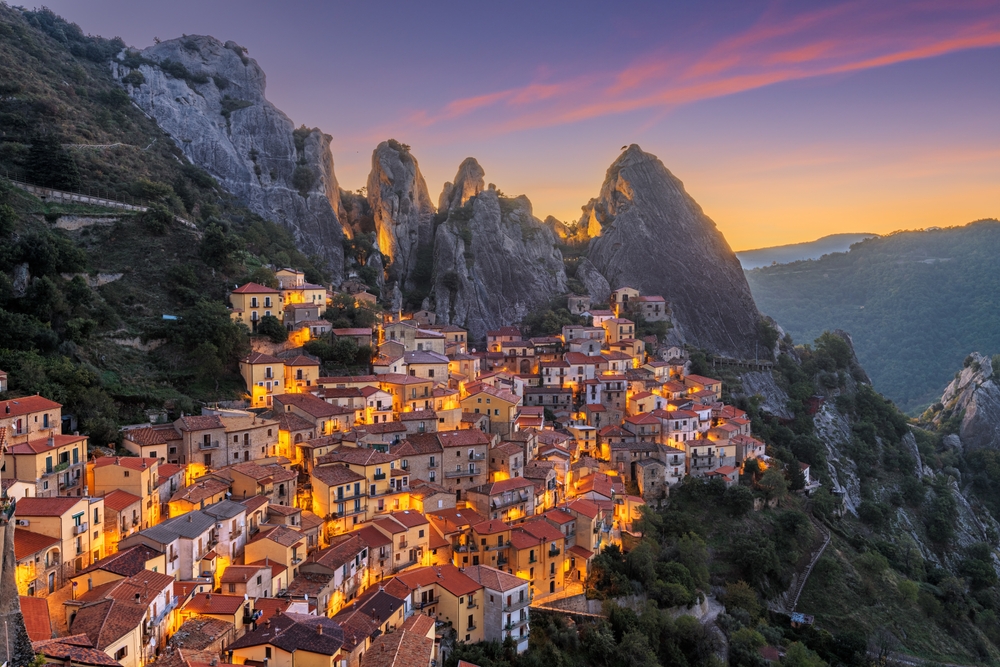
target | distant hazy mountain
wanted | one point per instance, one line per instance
(784, 254)
(915, 304)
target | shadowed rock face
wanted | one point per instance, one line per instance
(251, 148)
(654, 237)
(402, 209)
(494, 262)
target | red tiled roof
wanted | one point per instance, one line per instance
(447, 576)
(27, 542)
(209, 603)
(40, 445)
(119, 499)
(254, 288)
(36, 618)
(133, 462)
(26, 405)
(46, 506)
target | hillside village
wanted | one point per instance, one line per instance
(360, 520)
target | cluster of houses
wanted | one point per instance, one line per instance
(359, 521)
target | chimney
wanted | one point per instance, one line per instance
(52, 439)
(319, 629)
(208, 596)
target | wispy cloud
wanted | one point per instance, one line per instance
(782, 45)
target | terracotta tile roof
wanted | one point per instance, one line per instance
(345, 379)
(358, 627)
(131, 462)
(214, 603)
(322, 441)
(372, 536)
(464, 438)
(542, 529)
(276, 567)
(269, 607)
(200, 422)
(262, 472)
(418, 443)
(106, 621)
(76, 650)
(295, 632)
(343, 550)
(17, 407)
(494, 488)
(289, 421)
(118, 500)
(353, 331)
(399, 649)
(255, 502)
(46, 506)
(301, 360)
(199, 633)
(254, 288)
(335, 475)
(357, 456)
(240, 574)
(447, 576)
(493, 578)
(28, 543)
(309, 584)
(152, 435)
(381, 428)
(491, 527)
(201, 490)
(282, 535)
(36, 618)
(417, 415)
(559, 516)
(409, 518)
(583, 506)
(166, 470)
(454, 519)
(580, 552)
(315, 407)
(41, 445)
(127, 562)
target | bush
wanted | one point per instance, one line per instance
(303, 179)
(270, 326)
(134, 78)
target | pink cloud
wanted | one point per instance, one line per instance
(778, 47)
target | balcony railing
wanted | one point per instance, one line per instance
(514, 623)
(82, 528)
(212, 444)
(516, 604)
(432, 464)
(554, 552)
(477, 457)
(472, 605)
(378, 477)
(532, 560)
(464, 472)
(297, 560)
(465, 548)
(428, 603)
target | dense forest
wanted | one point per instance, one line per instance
(915, 303)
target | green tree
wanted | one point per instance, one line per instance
(50, 165)
(797, 655)
(740, 595)
(744, 648)
(773, 484)
(692, 553)
(272, 328)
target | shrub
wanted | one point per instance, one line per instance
(134, 78)
(270, 326)
(303, 179)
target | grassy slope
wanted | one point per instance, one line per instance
(915, 303)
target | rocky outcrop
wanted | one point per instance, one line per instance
(651, 235)
(494, 262)
(402, 210)
(209, 97)
(974, 397)
(469, 182)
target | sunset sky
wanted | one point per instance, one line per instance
(786, 121)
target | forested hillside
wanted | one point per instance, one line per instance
(915, 304)
(83, 290)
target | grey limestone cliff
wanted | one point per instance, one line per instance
(494, 262)
(402, 209)
(648, 233)
(974, 397)
(209, 97)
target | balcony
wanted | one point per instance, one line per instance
(432, 464)
(516, 604)
(464, 472)
(532, 560)
(236, 533)
(464, 548)
(212, 444)
(79, 529)
(378, 477)
(297, 560)
(427, 603)
(477, 457)
(472, 605)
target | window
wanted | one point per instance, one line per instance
(232, 588)
(267, 652)
(126, 473)
(121, 653)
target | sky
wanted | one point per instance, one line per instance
(786, 121)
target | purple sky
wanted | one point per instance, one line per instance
(786, 121)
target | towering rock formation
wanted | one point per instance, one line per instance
(209, 97)
(494, 262)
(974, 396)
(403, 211)
(468, 183)
(651, 235)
